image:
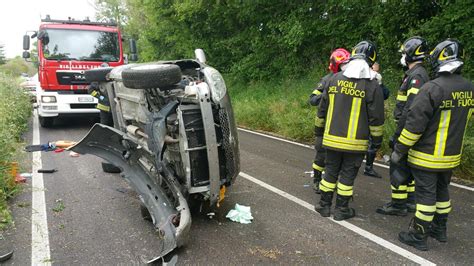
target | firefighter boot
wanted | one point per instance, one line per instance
(342, 211)
(324, 206)
(417, 235)
(411, 204)
(438, 227)
(316, 179)
(394, 207)
(369, 165)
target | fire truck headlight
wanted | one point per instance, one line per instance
(48, 99)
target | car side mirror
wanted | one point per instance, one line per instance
(26, 42)
(200, 55)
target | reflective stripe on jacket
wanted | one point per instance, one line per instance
(315, 97)
(436, 123)
(412, 81)
(351, 110)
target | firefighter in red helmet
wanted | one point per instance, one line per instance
(337, 60)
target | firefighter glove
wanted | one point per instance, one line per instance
(396, 157)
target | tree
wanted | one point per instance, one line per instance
(107, 10)
(16, 66)
(2, 54)
(261, 40)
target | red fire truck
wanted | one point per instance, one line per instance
(66, 48)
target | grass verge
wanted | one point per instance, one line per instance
(282, 107)
(15, 110)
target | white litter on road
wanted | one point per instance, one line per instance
(240, 214)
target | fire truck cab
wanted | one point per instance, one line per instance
(66, 48)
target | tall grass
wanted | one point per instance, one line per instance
(15, 110)
(282, 107)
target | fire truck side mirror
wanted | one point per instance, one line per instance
(133, 46)
(26, 42)
(133, 57)
(133, 50)
(26, 54)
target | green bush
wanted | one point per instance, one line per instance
(15, 110)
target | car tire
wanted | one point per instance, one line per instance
(145, 213)
(149, 76)
(46, 122)
(110, 168)
(97, 74)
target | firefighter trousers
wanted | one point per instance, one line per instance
(402, 182)
(106, 118)
(341, 171)
(320, 157)
(432, 194)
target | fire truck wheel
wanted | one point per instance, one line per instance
(46, 121)
(149, 76)
(97, 74)
(110, 168)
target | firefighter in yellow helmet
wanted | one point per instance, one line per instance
(351, 110)
(414, 51)
(432, 140)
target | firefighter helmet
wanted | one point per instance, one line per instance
(414, 49)
(365, 50)
(338, 57)
(447, 51)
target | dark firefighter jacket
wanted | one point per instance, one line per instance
(94, 90)
(412, 81)
(350, 111)
(436, 123)
(315, 97)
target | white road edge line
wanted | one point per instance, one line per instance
(40, 253)
(311, 147)
(378, 240)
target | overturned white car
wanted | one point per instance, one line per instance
(174, 138)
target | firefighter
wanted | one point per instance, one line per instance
(337, 60)
(372, 151)
(414, 51)
(432, 139)
(103, 105)
(351, 110)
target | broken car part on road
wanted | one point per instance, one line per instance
(174, 139)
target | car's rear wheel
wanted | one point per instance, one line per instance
(149, 76)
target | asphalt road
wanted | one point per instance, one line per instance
(94, 217)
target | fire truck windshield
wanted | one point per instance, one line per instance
(82, 45)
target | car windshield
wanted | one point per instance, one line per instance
(83, 45)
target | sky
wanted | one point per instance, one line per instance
(19, 16)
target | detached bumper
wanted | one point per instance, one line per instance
(171, 217)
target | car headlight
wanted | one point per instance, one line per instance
(216, 83)
(48, 99)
